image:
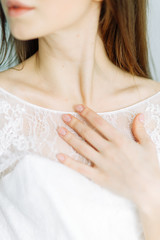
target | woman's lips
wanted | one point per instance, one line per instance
(16, 11)
(15, 3)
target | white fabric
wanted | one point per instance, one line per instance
(40, 198)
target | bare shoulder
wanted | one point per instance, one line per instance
(4, 80)
(136, 89)
(147, 87)
(9, 80)
(17, 78)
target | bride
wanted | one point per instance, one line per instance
(92, 53)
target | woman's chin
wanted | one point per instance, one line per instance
(23, 36)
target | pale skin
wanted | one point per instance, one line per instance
(80, 63)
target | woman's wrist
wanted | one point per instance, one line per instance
(149, 214)
(149, 200)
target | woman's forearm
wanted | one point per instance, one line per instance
(149, 213)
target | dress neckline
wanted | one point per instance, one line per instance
(63, 112)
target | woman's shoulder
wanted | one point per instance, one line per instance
(5, 79)
(139, 87)
(10, 81)
(148, 87)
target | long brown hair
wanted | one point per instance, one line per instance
(123, 29)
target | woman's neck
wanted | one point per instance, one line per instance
(73, 62)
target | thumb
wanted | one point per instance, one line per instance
(139, 131)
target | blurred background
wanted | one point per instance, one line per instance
(153, 14)
(154, 38)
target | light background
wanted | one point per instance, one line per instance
(153, 40)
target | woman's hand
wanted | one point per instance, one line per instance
(127, 167)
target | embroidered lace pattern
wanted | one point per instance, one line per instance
(26, 128)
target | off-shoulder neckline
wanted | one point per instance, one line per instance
(63, 112)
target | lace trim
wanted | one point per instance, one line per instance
(23, 131)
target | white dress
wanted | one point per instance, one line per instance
(42, 199)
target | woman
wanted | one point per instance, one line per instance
(92, 52)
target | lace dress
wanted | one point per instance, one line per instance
(40, 198)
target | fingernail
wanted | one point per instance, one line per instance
(66, 117)
(60, 157)
(141, 118)
(79, 108)
(62, 131)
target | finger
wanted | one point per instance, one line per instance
(106, 129)
(81, 146)
(92, 137)
(140, 133)
(82, 168)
